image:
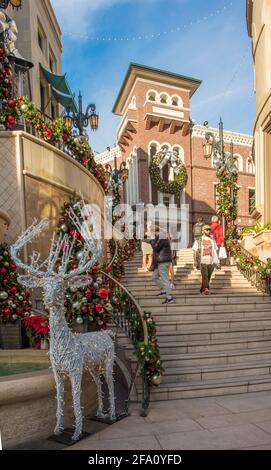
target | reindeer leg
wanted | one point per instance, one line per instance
(97, 380)
(60, 400)
(109, 379)
(76, 395)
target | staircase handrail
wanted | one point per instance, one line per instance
(261, 283)
(136, 329)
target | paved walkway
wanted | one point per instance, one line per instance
(231, 422)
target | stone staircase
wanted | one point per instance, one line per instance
(210, 345)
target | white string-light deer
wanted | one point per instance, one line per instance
(70, 353)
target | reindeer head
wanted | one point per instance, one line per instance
(52, 274)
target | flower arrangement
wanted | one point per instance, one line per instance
(37, 329)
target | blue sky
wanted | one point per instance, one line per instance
(216, 50)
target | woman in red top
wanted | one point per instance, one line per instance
(217, 231)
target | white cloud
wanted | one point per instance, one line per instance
(77, 17)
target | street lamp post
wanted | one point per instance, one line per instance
(14, 3)
(116, 176)
(81, 120)
(224, 162)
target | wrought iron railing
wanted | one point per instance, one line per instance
(130, 319)
(261, 282)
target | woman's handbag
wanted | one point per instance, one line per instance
(222, 253)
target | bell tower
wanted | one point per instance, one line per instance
(155, 109)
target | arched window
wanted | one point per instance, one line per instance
(163, 99)
(176, 101)
(250, 166)
(151, 96)
(153, 149)
(239, 162)
(180, 151)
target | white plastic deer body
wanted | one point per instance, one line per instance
(70, 353)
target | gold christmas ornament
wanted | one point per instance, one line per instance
(156, 379)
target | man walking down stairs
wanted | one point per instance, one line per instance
(210, 345)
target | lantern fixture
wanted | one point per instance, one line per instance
(81, 120)
(14, 3)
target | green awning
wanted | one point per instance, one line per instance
(60, 89)
(67, 101)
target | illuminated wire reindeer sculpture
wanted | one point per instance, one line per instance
(70, 353)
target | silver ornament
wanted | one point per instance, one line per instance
(79, 320)
(15, 317)
(80, 255)
(64, 228)
(3, 295)
(76, 305)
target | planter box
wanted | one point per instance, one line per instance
(11, 336)
(262, 237)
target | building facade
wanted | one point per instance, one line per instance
(259, 29)
(39, 41)
(155, 112)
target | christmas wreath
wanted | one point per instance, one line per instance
(179, 173)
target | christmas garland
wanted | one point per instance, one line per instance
(173, 187)
(247, 261)
(14, 300)
(53, 133)
(149, 355)
(226, 205)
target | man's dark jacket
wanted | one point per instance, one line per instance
(161, 251)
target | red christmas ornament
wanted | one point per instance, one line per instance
(7, 311)
(20, 310)
(13, 290)
(11, 119)
(11, 103)
(27, 294)
(98, 308)
(3, 271)
(88, 293)
(13, 267)
(84, 309)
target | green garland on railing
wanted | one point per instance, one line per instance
(247, 261)
(53, 133)
(149, 355)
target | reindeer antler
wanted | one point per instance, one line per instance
(93, 245)
(30, 234)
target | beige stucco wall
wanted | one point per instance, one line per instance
(260, 27)
(27, 19)
(35, 180)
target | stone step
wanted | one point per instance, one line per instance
(211, 335)
(195, 315)
(198, 326)
(214, 345)
(215, 357)
(228, 386)
(204, 374)
(177, 292)
(213, 301)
